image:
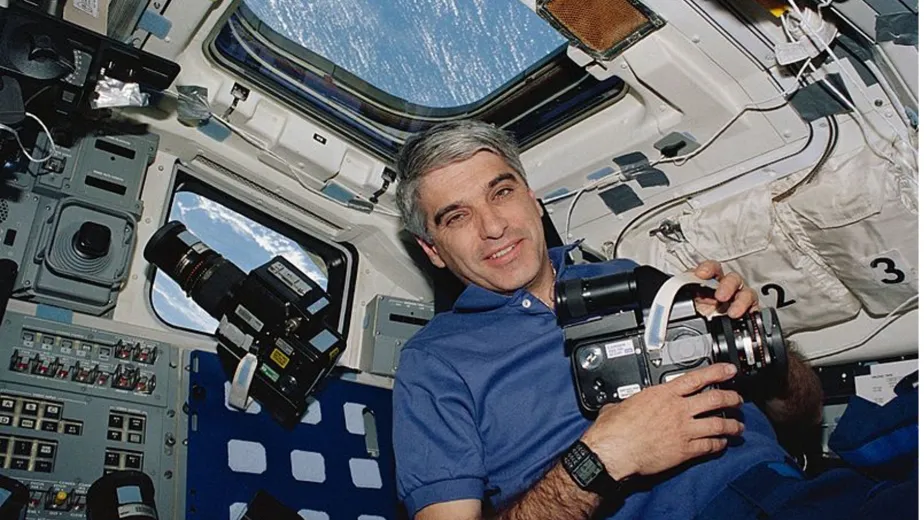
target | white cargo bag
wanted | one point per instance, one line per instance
(860, 214)
(743, 233)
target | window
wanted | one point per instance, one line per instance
(246, 239)
(379, 71)
(437, 54)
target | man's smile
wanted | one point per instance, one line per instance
(504, 255)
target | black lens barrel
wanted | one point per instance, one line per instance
(206, 276)
(774, 341)
(165, 249)
(578, 297)
(765, 335)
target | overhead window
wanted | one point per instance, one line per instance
(383, 70)
(440, 54)
(246, 239)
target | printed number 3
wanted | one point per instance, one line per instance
(899, 275)
(780, 295)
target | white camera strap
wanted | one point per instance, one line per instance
(246, 367)
(240, 385)
(659, 314)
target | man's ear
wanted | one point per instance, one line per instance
(539, 207)
(432, 253)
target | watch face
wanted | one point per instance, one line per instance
(586, 471)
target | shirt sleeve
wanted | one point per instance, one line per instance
(438, 451)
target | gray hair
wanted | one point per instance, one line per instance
(438, 147)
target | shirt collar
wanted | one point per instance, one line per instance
(477, 298)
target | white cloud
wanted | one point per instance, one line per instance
(270, 241)
(187, 309)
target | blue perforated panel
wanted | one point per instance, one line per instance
(321, 468)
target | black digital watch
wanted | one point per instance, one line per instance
(588, 471)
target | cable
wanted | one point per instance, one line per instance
(819, 42)
(35, 95)
(888, 320)
(620, 176)
(608, 179)
(571, 211)
(676, 201)
(854, 112)
(829, 149)
(51, 141)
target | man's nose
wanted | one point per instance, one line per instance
(493, 224)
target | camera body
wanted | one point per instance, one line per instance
(274, 340)
(611, 360)
(277, 314)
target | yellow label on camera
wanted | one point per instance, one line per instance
(281, 359)
(333, 353)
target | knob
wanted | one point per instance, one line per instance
(42, 48)
(92, 240)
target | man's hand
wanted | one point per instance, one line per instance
(732, 296)
(658, 429)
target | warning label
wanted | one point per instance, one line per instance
(91, 7)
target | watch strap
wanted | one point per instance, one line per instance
(587, 470)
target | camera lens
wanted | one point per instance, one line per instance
(754, 343)
(578, 297)
(201, 273)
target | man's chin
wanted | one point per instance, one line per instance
(507, 285)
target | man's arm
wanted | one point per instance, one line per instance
(621, 438)
(798, 401)
(556, 496)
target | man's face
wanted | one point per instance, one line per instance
(485, 223)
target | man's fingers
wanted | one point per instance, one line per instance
(728, 286)
(696, 380)
(705, 446)
(715, 427)
(708, 270)
(744, 301)
(713, 400)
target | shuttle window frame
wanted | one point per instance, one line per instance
(546, 98)
(339, 259)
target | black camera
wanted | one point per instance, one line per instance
(611, 359)
(274, 342)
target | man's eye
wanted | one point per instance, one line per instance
(503, 192)
(454, 219)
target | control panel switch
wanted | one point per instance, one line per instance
(18, 362)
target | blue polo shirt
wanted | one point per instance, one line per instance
(484, 405)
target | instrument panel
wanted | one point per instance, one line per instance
(77, 403)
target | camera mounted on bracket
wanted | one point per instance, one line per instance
(631, 330)
(274, 342)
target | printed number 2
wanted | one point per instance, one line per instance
(889, 269)
(780, 295)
